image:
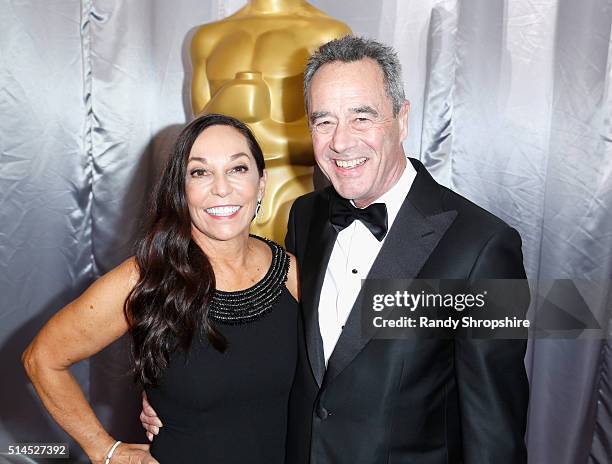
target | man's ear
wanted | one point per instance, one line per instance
(402, 118)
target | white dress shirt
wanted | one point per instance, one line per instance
(354, 252)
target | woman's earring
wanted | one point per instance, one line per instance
(258, 208)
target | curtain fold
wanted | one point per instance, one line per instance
(45, 253)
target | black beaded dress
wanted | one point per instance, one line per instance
(231, 408)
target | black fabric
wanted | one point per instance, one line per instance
(230, 407)
(342, 214)
(436, 401)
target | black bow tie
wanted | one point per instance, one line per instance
(342, 214)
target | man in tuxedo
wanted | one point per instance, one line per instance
(366, 400)
(363, 399)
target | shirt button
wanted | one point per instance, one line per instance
(354, 271)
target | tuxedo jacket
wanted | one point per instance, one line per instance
(422, 401)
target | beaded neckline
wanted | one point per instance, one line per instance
(243, 306)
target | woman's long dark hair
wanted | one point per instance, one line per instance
(169, 304)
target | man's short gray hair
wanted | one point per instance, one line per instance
(350, 48)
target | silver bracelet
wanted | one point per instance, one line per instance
(110, 453)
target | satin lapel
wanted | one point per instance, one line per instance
(321, 239)
(411, 240)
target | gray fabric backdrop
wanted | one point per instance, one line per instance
(511, 106)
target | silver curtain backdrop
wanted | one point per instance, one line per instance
(511, 106)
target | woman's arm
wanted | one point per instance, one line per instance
(81, 329)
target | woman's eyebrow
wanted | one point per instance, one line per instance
(204, 160)
(238, 155)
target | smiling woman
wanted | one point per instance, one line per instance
(225, 181)
(211, 309)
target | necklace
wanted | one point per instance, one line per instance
(248, 305)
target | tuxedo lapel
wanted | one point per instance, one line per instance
(410, 241)
(321, 239)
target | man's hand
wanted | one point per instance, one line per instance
(148, 418)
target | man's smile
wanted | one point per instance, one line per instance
(350, 164)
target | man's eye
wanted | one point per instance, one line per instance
(361, 123)
(240, 169)
(324, 126)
